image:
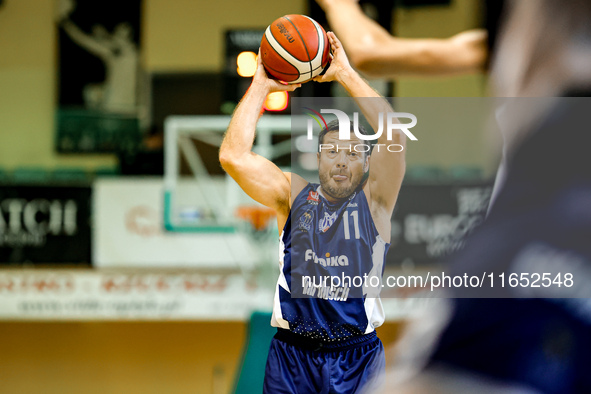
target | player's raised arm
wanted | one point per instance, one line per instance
(258, 177)
(387, 168)
(375, 52)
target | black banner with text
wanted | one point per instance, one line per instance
(44, 224)
(431, 221)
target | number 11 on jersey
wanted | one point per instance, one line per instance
(355, 216)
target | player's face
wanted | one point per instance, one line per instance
(340, 165)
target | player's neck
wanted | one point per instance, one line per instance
(329, 198)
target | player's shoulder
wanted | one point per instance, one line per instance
(297, 183)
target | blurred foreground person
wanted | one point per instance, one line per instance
(377, 53)
(536, 338)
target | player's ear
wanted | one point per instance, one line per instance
(366, 164)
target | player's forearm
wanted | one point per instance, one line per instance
(354, 84)
(375, 52)
(463, 53)
(369, 101)
(400, 57)
(371, 48)
(241, 132)
(355, 29)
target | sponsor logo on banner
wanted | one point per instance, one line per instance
(76, 295)
(142, 220)
(45, 224)
(432, 221)
(129, 231)
(69, 294)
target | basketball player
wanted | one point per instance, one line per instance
(323, 345)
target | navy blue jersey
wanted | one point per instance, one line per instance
(323, 240)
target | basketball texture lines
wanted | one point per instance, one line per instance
(295, 49)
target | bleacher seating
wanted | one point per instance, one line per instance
(106, 171)
(424, 173)
(70, 174)
(465, 173)
(30, 175)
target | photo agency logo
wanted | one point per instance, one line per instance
(344, 122)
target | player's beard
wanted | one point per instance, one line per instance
(337, 192)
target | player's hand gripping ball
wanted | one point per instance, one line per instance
(295, 49)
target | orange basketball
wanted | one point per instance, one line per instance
(294, 49)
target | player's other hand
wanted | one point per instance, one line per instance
(325, 4)
(271, 85)
(339, 63)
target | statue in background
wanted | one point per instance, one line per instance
(120, 55)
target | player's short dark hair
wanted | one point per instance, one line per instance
(334, 126)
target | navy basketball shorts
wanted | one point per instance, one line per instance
(297, 364)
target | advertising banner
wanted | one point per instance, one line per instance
(129, 232)
(44, 224)
(108, 295)
(431, 221)
(69, 294)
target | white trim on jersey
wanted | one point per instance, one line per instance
(277, 319)
(373, 304)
